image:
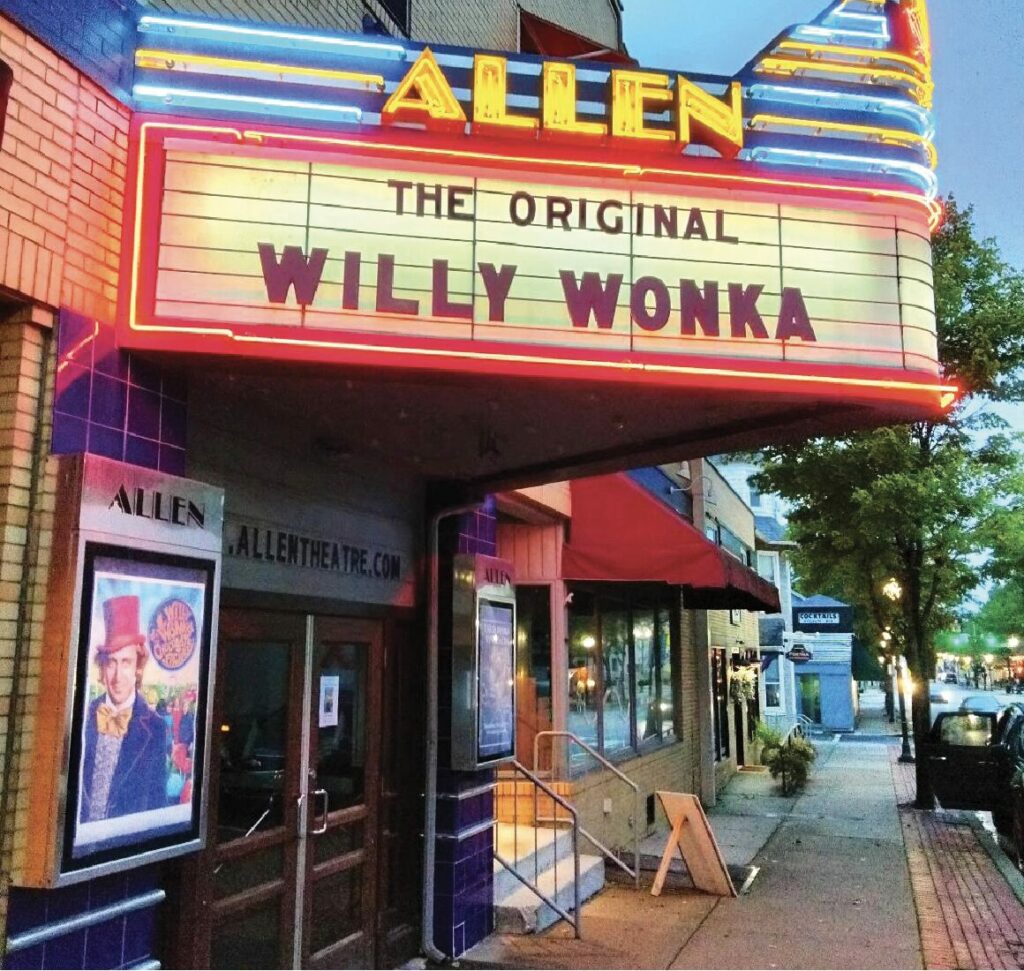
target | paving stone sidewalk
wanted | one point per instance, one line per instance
(968, 914)
(851, 876)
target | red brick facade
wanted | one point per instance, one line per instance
(62, 176)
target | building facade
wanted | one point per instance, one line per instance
(280, 319)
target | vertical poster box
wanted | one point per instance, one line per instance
(483, 662)
(123, 726)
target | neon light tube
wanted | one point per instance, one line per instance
(887, 136)
(168, 61)
(924, 176)
(841, 32)
(370, 48)
(155, 91)
(920, 69)
(921, 91)
(856, 102)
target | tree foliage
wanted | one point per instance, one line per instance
(920, 502)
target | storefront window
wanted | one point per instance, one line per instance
(621, 694)
(772, 682)
(616, 698)
(584, 676)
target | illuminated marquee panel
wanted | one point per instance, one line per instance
(241, 244)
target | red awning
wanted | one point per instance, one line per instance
(540, 36)
(620, 532)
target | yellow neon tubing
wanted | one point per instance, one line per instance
(887, 136)
(922, 90)
(875, 55)
(161, 60)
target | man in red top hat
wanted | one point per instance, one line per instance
(124, 765)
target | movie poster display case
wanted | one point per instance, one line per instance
(129, 649)
(483, 662)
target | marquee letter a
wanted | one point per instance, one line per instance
(425, 96)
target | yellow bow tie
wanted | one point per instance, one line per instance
(111, 722)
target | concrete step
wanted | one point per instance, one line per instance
(529, 857)
(523, 912)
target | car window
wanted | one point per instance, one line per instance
(965, 729)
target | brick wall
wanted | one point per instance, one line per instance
(97, 36)
(27, 494)
(62, 178)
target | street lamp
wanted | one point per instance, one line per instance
(894, 592)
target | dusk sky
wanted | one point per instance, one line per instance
(979, 78)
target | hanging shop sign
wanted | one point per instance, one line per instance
(483, 662)
(128, 655)
(373, 202)
(817, 620)
(799, 654)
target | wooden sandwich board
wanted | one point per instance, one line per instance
(691, 835)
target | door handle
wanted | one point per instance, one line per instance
(322, 828)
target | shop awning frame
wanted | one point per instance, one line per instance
(620, 532)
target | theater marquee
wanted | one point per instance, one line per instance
(303, 248)
(399, 206)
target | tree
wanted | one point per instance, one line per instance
(919, 502)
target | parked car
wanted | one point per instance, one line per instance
(976, 762)
(949, 678)
(989, 704)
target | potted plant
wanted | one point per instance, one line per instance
(789, 761)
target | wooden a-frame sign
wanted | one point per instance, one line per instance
(691, 835)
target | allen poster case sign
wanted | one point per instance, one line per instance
(483, 662)
(132, 648)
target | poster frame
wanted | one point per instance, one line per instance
(159, 847)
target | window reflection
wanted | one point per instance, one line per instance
(252, 736)
(621, 688)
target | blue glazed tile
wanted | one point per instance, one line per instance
(105, 441)
(73, 391)
(142, 879)
(175, 386)
(72, 329)
(67, 901)
(142, 374)
(107, 359)
(107, 890)
(25, 909)
(31, 957)
(70, 435)
(140, 931)
(173, 418)
(143, 413)
(172, 460)
(109, 401)
(104, 944)
(142, 451)
(65, 952)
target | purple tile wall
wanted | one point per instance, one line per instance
(112, 403)
(119, 943)
(463, 871)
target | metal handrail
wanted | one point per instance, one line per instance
(538, 783)
(634, 873)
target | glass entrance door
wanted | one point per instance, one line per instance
(340, 861)
(290, 876)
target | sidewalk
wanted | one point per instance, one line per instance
(849, 877)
